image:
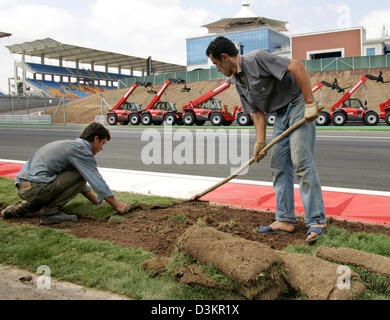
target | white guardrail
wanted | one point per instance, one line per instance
(25, 119)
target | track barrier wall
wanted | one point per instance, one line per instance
(25, 119)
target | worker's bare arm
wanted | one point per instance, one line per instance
(300, 74)
(117, 205)
(91, 197)
(259, 121)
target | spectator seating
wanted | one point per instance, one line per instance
(70, 90)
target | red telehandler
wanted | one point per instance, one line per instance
(207, 108)
(244, 119)
(158, 111)
(385, 111)
(125, 112)
(352, 109)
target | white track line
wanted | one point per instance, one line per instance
(183, 186)
(197, 132)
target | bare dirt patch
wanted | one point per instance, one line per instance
(156, 265)
(84, 110)
(157, 229)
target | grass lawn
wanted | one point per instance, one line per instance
(107, 266)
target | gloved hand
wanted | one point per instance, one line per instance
(312, 112)
(257, 153)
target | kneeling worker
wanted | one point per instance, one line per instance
(57, 172)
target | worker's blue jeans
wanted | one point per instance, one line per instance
(294, 154)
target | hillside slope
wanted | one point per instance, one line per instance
(84, 110)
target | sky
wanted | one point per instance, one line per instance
(158, 28)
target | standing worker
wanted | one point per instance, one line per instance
(268, 83)
(57, 172)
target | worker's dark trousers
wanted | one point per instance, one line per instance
(49, 198)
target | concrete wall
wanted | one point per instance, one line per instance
(349, 40)
(379, 48)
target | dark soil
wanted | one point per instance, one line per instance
(157, 229)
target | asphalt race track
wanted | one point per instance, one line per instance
(346, 159)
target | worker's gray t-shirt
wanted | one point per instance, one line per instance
(55, 157)
(268, 87)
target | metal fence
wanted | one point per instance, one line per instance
(11, 104)
(329, 64)
(352, 63)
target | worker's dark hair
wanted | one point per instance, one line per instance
(95, 129)
(221, 45)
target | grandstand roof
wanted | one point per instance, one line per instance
(53, 49)
(4, 34)
(229, 24)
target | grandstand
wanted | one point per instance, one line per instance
(76, 82)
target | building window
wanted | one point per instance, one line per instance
(242, 49)
(326, 55)
(371, 51)
(248, 41)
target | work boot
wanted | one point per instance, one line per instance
(58, 217)
(7, 213)
(16, 210)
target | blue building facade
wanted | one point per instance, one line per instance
(249, 40)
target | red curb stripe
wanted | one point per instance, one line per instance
(10, 170)
(345, 206)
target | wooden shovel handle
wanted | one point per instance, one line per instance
(247, 164)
